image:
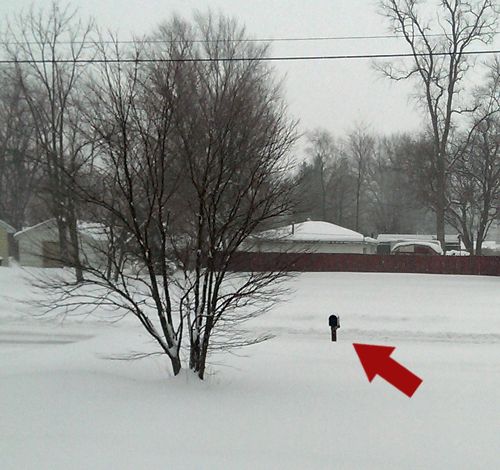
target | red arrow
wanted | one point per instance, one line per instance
(376, 360)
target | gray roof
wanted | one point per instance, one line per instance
(8, 228)
(34, 227)
(95, 231)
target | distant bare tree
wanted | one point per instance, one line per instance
(440, 63)
(475, 182)
(340, 187)
(313, 198)
(46, 44)
(322, 153)
(324, 184)
(394, 203)
(19, 169)
(361, 150)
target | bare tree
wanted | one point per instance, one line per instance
(322, 153)
(19, 169)
(193, 146)
(313, 198)
(440, 63)
(324, 183)
(361, 149)
(340, 186)
(46, 45)
(394, 203)
(475, 182)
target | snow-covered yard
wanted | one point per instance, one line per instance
(298, 401)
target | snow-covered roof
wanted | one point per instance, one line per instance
(34, 227)
(8, 228)
(90, 229)
(314, 231)
(435, 246)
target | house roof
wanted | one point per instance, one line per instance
(89, 229)
(33, 227)
(314, 231)
(8, 228)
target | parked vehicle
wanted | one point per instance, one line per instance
(417, 248)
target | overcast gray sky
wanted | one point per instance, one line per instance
(332, 94)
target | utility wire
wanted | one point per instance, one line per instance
(240, 59)
(269, 40)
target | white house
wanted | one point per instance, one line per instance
(39, 245)
(311, 237)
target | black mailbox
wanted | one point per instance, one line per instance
(334, 322)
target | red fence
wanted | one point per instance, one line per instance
(316, 262)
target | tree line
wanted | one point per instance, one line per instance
(361, 182)
(387, 184)
(452, 168)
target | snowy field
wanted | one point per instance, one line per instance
(298, 401)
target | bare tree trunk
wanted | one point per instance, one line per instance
(441, 210)
(74, 245)
(358, 196)
(62, 232)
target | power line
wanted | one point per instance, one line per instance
(241, 59)
(236, 40)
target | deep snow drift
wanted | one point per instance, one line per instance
(295, 402)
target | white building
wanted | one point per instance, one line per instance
(311, 237)
(39, 245)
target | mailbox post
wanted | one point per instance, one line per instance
(334, 322)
